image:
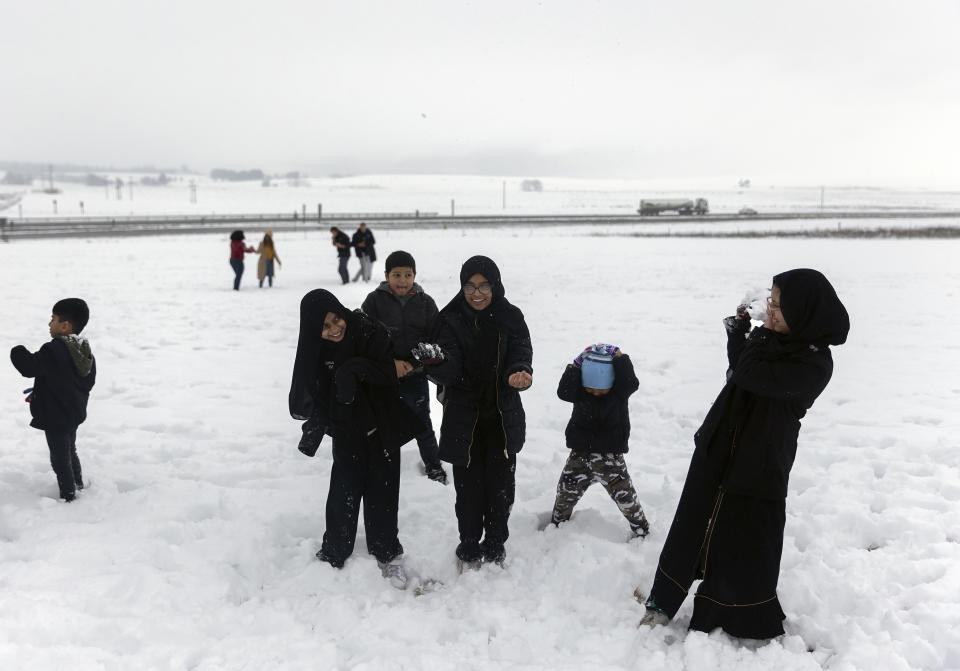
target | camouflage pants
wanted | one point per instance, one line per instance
(610, 470)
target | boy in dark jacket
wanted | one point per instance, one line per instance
(598, 383)
(410, 315)
(65, 372)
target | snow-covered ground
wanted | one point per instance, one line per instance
(464, 194)
(193, 547)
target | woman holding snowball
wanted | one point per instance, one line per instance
(728, 527)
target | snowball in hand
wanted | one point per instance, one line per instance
(755, 300)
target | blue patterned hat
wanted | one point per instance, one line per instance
(597, 370)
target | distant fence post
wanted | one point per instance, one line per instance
(319, 212)
(3, 229)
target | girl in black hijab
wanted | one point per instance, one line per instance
(486, 361)
(345, 386)
(728, 527)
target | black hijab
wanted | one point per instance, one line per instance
(480, 361)
(811, 308)
(312, 349)
(499, 307)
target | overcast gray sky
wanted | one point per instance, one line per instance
(866, 91)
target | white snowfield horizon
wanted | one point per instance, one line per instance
(463, 194)
(193, 547)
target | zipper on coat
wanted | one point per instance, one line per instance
(704, 553)
(473, 432)
(503, 427)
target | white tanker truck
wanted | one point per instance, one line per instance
(678, 205)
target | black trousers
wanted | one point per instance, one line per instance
(63, 459)
(485, 490)
(415, 392)
(363, 473)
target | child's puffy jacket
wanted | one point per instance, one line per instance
(599, 424)
(60, 391)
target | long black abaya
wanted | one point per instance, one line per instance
(728, 527)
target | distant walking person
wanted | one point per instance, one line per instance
(342, 243)
(363, 242)
(268, 255)
(237, 250)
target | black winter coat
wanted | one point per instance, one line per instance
(409, 322)
(756, 417)
(465, 398)
(599, 423)
(60, 392)
(368, 249)
(342, 239)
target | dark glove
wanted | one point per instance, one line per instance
(427, 353)
(312, 435)
(29, 392)
(736, 325)
(743, 312)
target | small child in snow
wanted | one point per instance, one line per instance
(65, 371)
(598, 383)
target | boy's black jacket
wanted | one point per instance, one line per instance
(343, 239)
(599, 424)
(408, 322)
(60, 392)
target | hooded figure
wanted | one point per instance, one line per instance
(347, 389)
(486, 344)
(728, 527)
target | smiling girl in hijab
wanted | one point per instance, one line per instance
(728, 527)
(486, 361)
(345, 386)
